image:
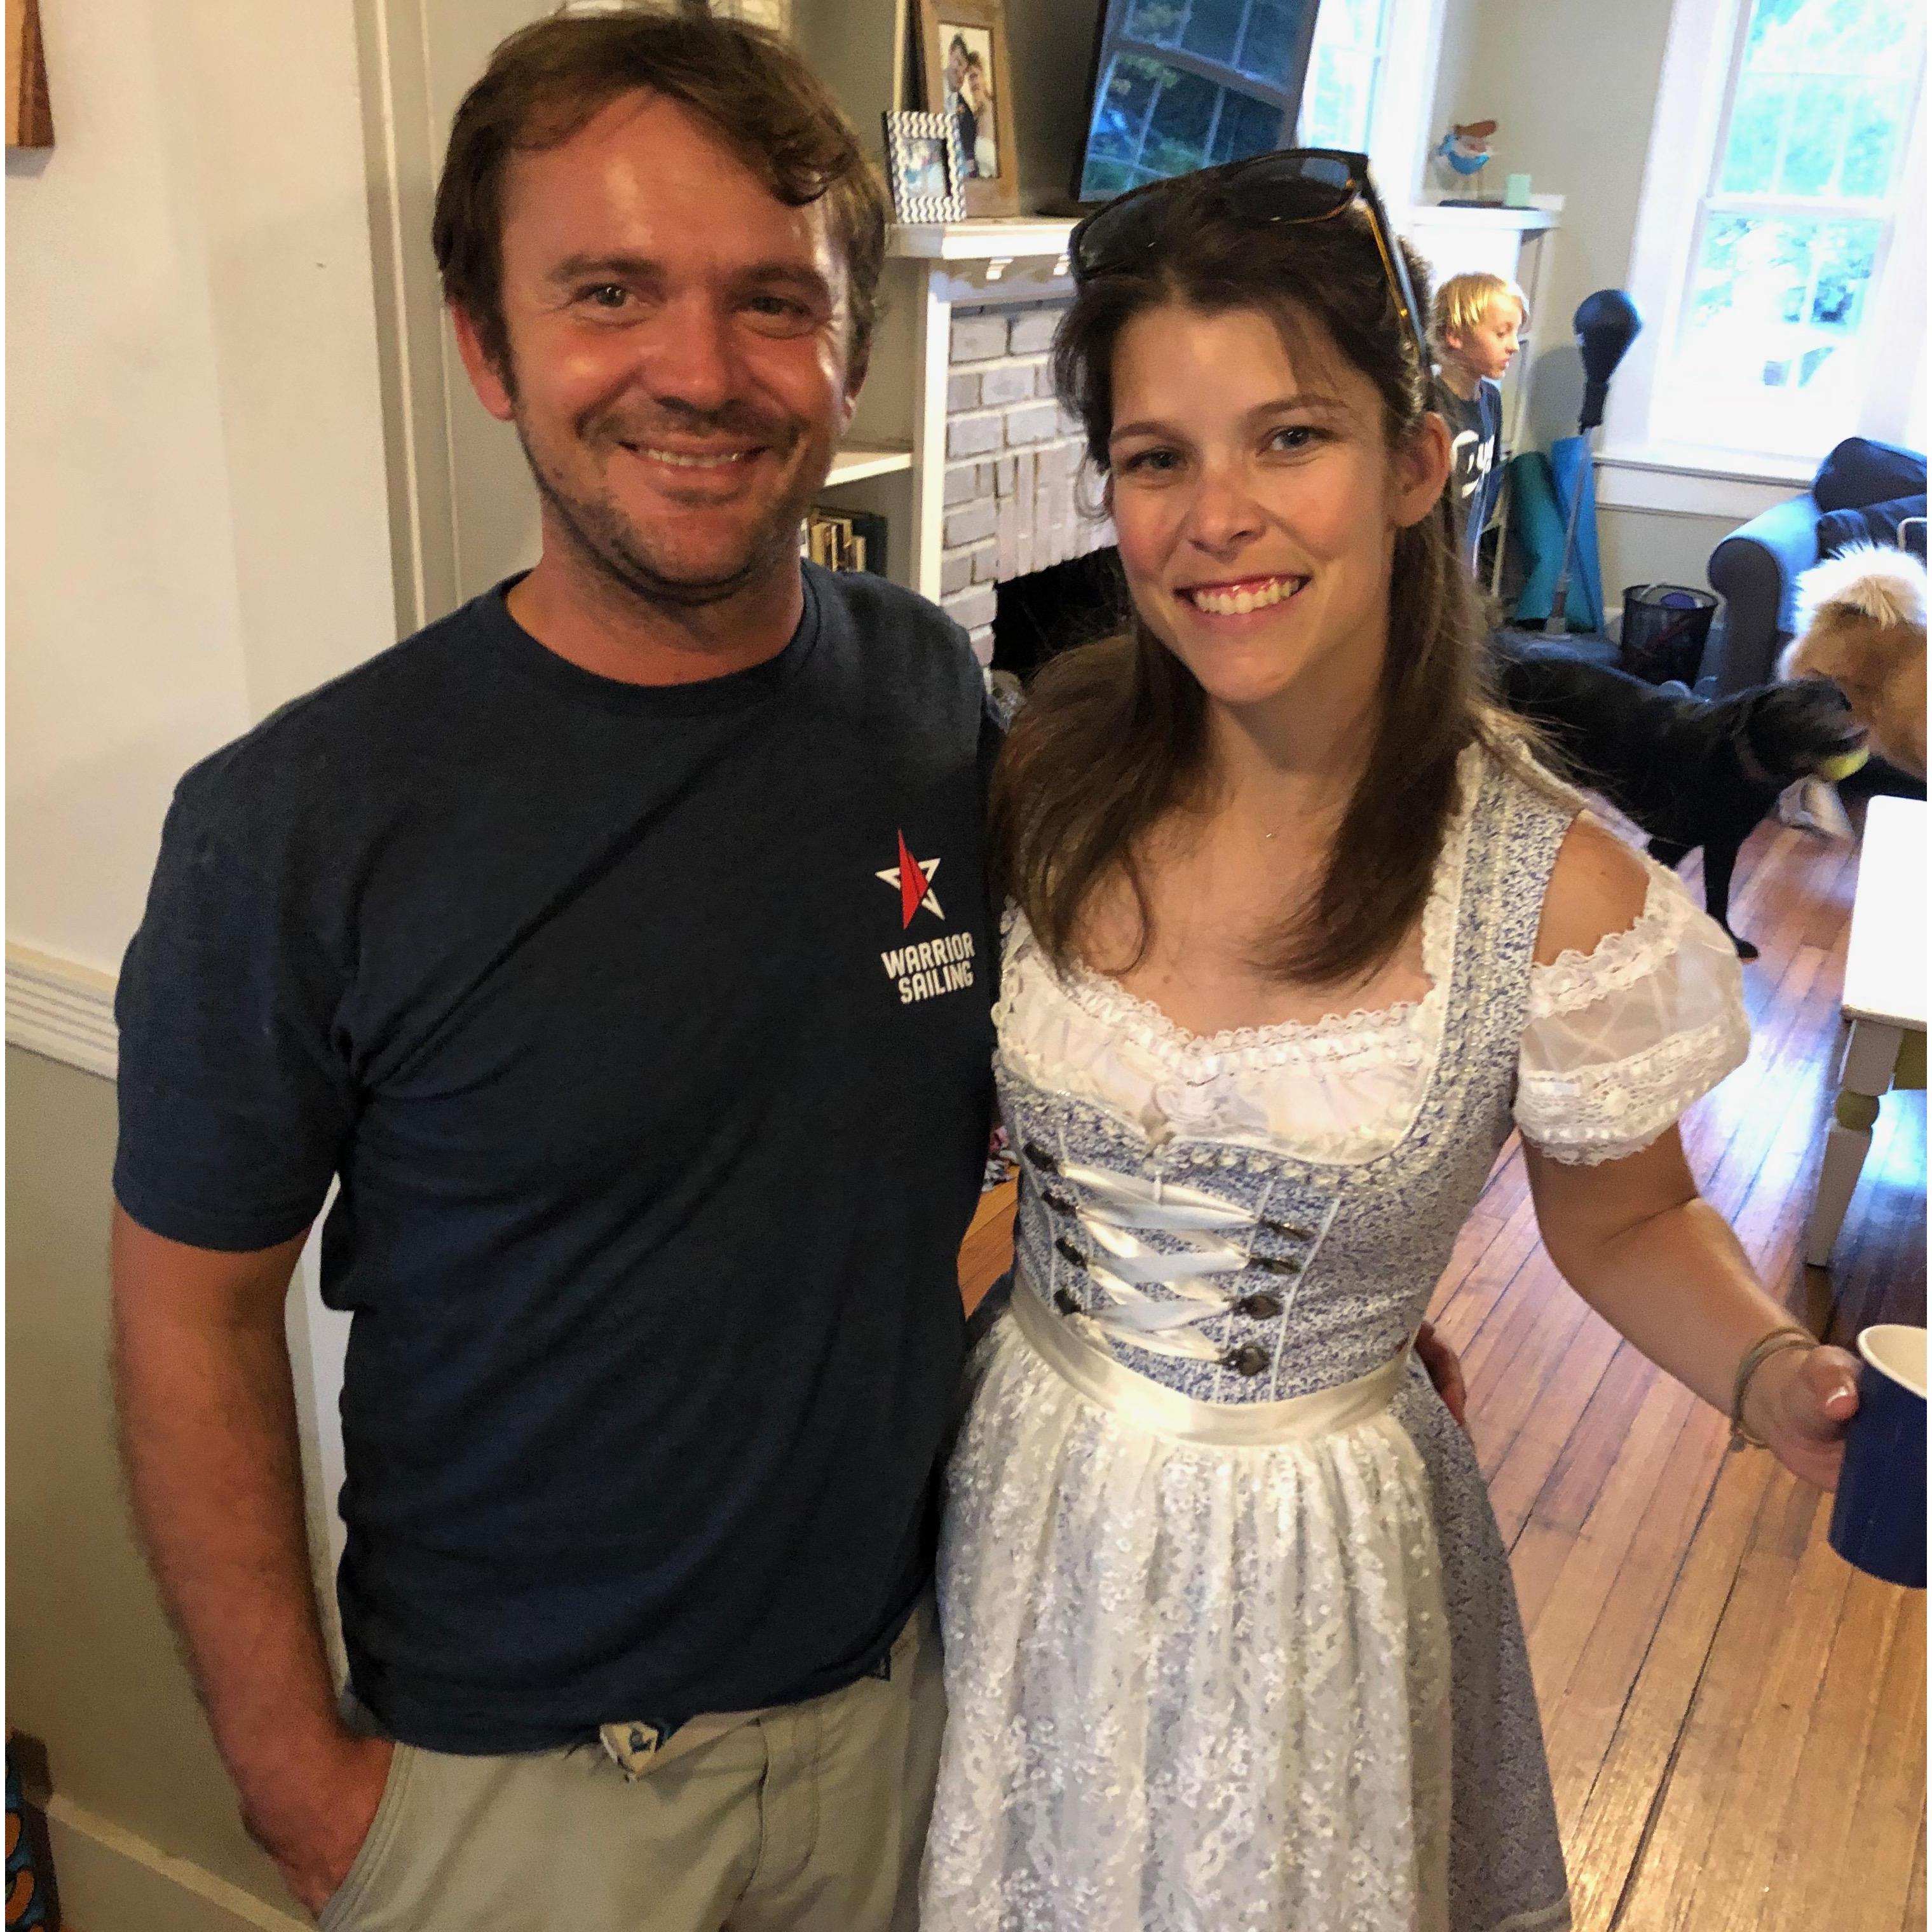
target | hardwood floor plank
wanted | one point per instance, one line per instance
(1529, 1337)
(1596, 1397)
(1845, 1838)
(1606, 1843)
(1878, 1271)
(1567, 1574)
(987, 1252)
(1691, 1804)
(1790, 1709)
(1604, 1614)
(1914, 1920)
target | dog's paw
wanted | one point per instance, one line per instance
(1746, 950)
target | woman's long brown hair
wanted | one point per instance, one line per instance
(1112, 737)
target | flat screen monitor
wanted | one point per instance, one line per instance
(1179, 85)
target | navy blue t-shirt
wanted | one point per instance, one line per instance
(1475, 473)
(647, 1030)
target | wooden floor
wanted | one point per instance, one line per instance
(1735, 1719)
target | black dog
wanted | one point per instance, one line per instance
(1690, 773)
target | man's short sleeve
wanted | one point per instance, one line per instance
(234, 1101)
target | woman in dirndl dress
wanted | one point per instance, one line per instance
(1298, 934)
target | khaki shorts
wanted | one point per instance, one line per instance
(805, 1818)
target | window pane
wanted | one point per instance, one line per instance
(1365, 19)
(1335, 112)
(1338, 102)
(1767, 351)
(1120, 107)
(1843, 256)
(1877, 121)
(1751, 153)
(1269, 42)
(1183, 115)
(1101, 180)
(1773, 303)
(1247, 126)
(1214, 29)
(1842, 36)
(1812, 142)
(1158, 21)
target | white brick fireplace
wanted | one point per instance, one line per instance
(958, 441)
(1011, 498)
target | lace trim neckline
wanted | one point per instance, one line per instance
(1105, 999)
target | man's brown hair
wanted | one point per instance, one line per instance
(547, 80)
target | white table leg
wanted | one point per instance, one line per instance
(1871, 1054)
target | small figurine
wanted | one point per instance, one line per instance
(1466, 149)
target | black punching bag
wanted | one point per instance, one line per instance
(1607, 324)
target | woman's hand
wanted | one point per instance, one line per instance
(1445, 1371)
(1798, 1402)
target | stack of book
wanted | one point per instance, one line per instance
(843, 540)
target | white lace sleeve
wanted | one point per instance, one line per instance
(1620, 1040)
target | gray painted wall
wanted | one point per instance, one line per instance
(92, 1672)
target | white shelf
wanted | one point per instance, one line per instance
(1546, 212)
(1026, 235)
(856, 461)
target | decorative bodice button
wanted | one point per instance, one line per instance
(1064, 1247)
(1040, 1158)
(1261, 1307)
(1249, 1360)
(1277, 1264)
(1064, 1300)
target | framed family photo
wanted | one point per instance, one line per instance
(922, 157)
(966, 74)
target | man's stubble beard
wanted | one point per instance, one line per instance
(613, 547)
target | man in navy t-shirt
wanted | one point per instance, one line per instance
(620, 946)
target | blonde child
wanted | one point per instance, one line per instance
(1478, 324)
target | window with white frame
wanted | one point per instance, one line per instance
(1338, 103)
(1766, 341)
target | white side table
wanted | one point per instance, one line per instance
(1884, 1000)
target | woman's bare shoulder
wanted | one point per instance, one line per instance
(1597, 886)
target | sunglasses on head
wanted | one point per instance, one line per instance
(1292, 185)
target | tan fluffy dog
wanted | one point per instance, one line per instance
(1861, 623)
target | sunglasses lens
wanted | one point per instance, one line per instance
(1297, 187)
(1286, 187)
(1117, 233)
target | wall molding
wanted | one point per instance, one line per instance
(109, 1877)
(62, 1010)
(1640, 481)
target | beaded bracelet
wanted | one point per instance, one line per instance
(1756, 1356)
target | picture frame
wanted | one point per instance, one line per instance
(966, 73)
(30, 121)
(924, 164)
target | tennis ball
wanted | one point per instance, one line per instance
(1835, 769)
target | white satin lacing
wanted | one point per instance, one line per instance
(1112, 1212)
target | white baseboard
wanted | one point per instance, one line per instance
(111, 1881)
(62, 1010)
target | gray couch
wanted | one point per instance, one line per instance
(1858, 490)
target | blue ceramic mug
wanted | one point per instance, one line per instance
(1878, 1518)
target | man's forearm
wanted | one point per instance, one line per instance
(209, 1435)
(207, 1430)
